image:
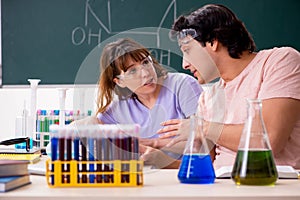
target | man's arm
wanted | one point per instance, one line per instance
(280, 116)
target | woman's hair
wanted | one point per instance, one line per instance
(114, 58)
(216, 22)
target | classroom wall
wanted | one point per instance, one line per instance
(0, 40)
(12, 101)
(0, 46)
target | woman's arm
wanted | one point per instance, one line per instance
(87, 121)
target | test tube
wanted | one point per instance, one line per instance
(68, 151)
(106, 151)
(62, 99)
(61, 151)
(83, 142)
(54, 148)
(99, 153)
(76, 142)
(91, 147)
(135, 151)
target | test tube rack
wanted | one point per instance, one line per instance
(94, 156)
(45, 118)
(75, 178)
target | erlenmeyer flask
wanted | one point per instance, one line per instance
(196, 166)
(254, 163)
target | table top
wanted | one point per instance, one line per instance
(159, 184)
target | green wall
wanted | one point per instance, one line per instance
(60, 41)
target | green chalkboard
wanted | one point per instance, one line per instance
(60, 41)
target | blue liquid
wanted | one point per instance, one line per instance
(196, 168)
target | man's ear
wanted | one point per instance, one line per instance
(214, 45)
(119, 82)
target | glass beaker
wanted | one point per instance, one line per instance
(196, 165)
(254, 163)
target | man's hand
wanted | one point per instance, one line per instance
(200, 127)
(174, 127)
(170, 128)
(177, 129)
(157, 158)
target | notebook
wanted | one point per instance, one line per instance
(20, 154)
(284, 172)
(13, 168)
(13, 182)
(32, 158)
(38, 168)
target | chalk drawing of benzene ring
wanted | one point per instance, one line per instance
(108, 29)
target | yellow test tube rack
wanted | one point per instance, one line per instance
(57, 176)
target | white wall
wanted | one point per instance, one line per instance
(12, 101)
(0, 35)
(0, 45)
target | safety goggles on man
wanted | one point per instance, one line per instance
(186, 35)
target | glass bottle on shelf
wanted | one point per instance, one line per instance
(254, 163)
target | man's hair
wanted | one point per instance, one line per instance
(216, 22)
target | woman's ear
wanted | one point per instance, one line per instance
(119, 82)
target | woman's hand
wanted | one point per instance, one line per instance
(91, 120)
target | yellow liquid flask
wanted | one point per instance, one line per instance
(254, 163)
(196, 165)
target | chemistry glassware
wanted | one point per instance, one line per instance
(254, 163)
(196, 165)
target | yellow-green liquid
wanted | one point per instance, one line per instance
(254, 167)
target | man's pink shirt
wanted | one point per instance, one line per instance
(272, 73)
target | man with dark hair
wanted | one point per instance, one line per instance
(215, 43)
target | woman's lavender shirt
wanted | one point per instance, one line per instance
(178, 99)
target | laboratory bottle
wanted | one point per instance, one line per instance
(22, 128)
(254, 163)
(196, 165)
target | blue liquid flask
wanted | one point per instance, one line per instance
(196, 165)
